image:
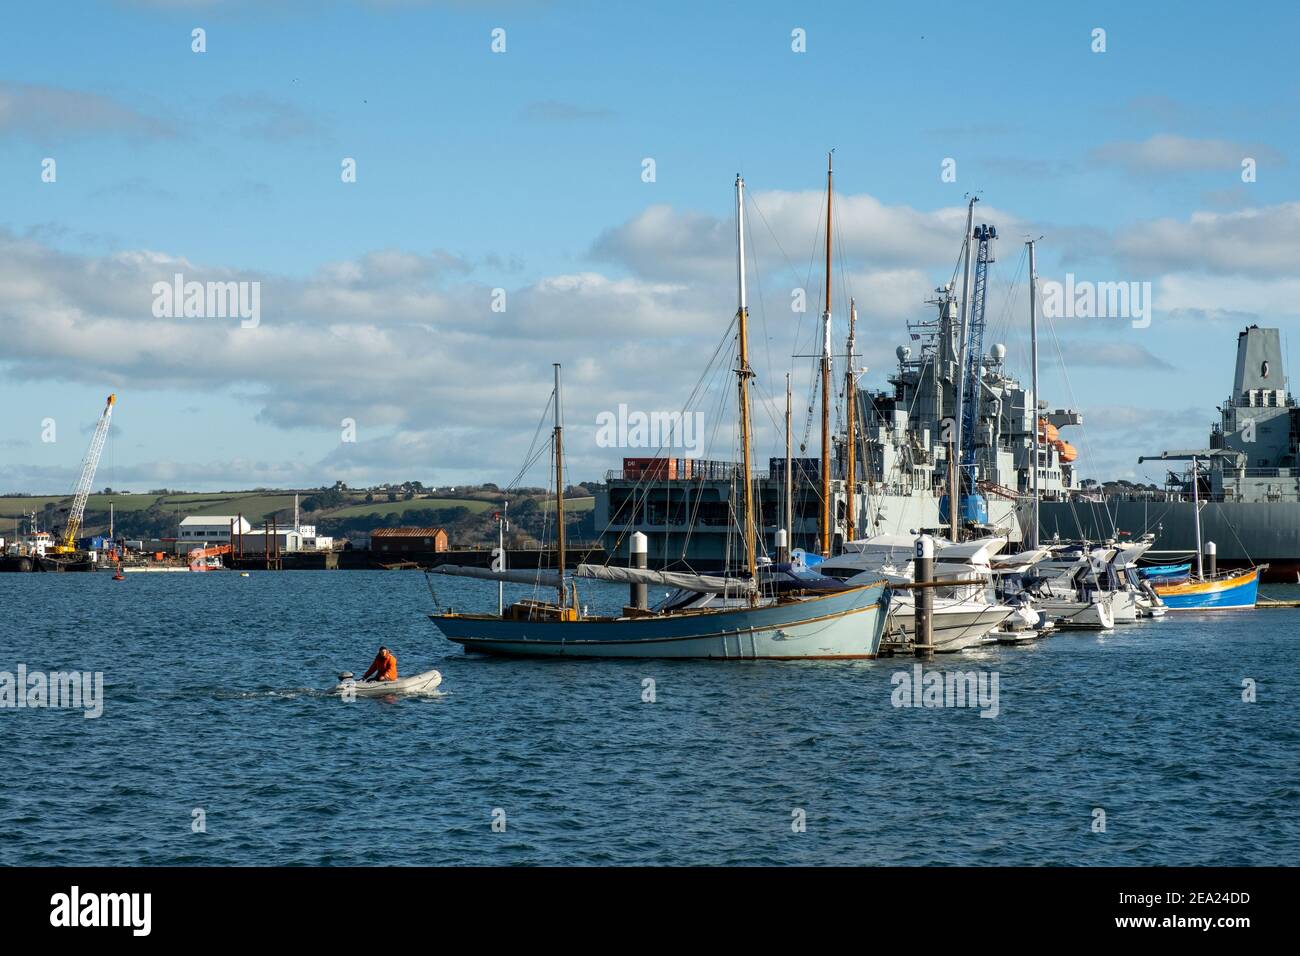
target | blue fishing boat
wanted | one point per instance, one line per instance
(1229, 590)
(1234, 590)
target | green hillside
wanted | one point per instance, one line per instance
(416, 504)
(338, 512)
(254, 508)
(572, 505)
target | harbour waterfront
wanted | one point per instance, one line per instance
(214, 701)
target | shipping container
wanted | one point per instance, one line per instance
(661, 469)
(657, 468)
(805, 469)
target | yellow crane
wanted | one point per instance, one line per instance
(68, 542)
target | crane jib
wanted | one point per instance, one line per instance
(975, 351)
(88, 467)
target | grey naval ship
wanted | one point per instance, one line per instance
(1248, 480)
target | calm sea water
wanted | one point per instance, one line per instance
(213, 702)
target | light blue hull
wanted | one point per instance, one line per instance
(838, 625)
(1166, 571)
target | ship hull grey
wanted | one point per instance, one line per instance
(1245, 533)
(713, 546)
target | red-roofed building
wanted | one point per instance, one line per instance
(407, 540)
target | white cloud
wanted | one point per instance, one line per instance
(1232, 298)
(53, 114)
(443, 388)
(1167, 152)
(1114, 436)
(405, 344)
(1112, 355)
(663, 242)
(271, 119)
(1260, 241)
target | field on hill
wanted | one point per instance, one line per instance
(571, 504)
(416, 504)
(255, 508)
(17, 507)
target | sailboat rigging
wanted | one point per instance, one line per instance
(850, 429)
(826, 373)
(773, 612)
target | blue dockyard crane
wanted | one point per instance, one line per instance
(984, 235)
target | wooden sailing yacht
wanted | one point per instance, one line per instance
(768, 615)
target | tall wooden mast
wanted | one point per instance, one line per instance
(559, 490)
(743, 375)
(1033, 358)
(826, 379)
(851, 400)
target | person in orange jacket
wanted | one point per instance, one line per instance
(384, 666)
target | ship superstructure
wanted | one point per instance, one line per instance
(906, 438)
(911, 429)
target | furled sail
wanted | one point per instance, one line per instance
(546, 579)
(702, 583)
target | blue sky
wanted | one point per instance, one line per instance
(522, 171)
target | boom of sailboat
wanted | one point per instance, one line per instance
(700, 583)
